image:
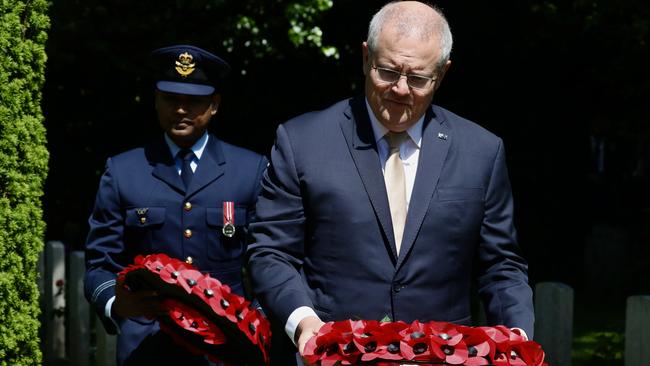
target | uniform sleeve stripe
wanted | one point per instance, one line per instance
(101, 289)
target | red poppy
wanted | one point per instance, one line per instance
(194, 322)
(530, 352)
(480, 346)
(416, 344)
(389, 341)
(365, 335)
(500, 359)
(188, 279)
(447, 342)
(324, 347)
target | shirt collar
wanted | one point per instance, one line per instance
(379, 130)
(197, 148)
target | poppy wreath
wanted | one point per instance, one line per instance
(360, 342)
(203, 315)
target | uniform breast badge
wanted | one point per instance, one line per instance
(142, 214)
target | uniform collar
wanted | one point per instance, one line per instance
(197, 148)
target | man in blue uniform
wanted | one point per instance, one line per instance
(168, 197)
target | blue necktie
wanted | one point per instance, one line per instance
(186, 156)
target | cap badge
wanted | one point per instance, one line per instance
(184, 65)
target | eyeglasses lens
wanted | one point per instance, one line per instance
(391, 76)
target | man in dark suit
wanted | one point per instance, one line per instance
(168, 197)
(388, 205)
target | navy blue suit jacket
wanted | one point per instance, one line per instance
(324, 237)
(147, 178)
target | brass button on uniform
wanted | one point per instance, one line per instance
(189, 260)
(187, 206)
(187, 233)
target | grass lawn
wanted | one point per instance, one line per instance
(599, 328)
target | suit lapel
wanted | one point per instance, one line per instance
(164, 167)
(436, 139)
(363, 148)
(212, 165)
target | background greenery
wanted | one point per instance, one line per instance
(555, 79)
(23, 168)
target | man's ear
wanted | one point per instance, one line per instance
(442, 72)
(216, 100)
(156, 95)
(366, 57)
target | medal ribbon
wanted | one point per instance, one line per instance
(228, 213)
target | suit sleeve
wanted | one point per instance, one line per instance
(502, 272)
(277, 252)
(259, 175)
(104, 247)
(251, 217)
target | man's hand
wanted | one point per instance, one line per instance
(307, 328)
(135, 303)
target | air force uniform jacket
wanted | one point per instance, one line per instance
(142, 207)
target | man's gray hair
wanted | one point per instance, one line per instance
(414, 24)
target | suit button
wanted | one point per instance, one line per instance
(187, 206)
(397, 287)
(189, 260)
(187, 233)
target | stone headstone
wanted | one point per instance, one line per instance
(637, 331)
(54, 303)
(554, 321)
(79, 312)
(106, 346)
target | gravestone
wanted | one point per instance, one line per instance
(54, 303)
(79, 313)
(637, 331)
(554, 321)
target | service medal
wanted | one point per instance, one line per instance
(228, 219)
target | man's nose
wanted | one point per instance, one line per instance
(401, 87)
(181, 109)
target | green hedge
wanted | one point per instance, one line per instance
(23, 168)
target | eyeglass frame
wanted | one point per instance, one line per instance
(430, 79)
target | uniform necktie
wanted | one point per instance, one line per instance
(186, 156)
(396, 185)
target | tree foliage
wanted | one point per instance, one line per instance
(23, 168)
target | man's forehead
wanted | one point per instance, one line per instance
(409, 50)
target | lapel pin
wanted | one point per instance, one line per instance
(442, 136)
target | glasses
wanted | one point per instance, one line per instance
(412, 80)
